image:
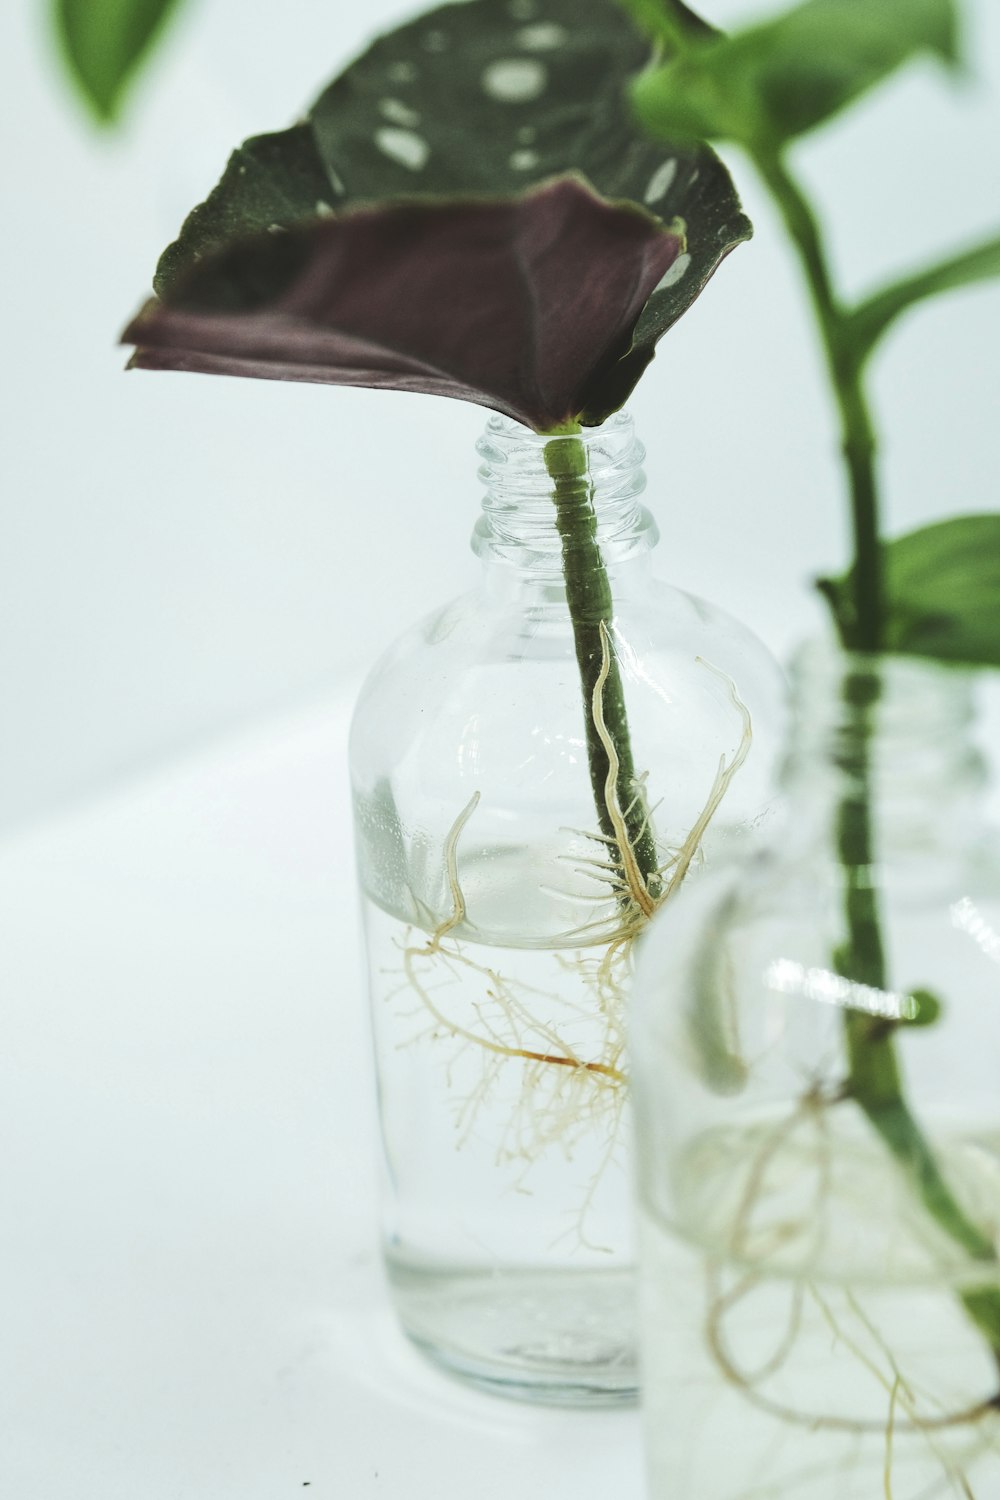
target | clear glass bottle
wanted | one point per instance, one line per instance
(499, 919)
(817, 1082)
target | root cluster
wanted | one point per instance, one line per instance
(956, 1433)
(565, 1094)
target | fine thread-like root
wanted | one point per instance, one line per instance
(508, 1025)
(558, 1054)
(458, 911)
(639, 899)
(673, 873)
(722, 1304)
(631, 874)
(889, 1431)
(578, 1227)
(910, 1410)
(565, 1093)
(809, 1110)
(723, 776)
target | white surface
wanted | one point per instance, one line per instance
(191, 1302)
(181, 553)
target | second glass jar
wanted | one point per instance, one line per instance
(816, 1061)
(537, 767)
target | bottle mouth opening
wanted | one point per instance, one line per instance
(519, 518)
(501, 427)
(514, 456)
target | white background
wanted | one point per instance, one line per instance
(193, 574)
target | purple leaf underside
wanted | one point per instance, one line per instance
(526, 305)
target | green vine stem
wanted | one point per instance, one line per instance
(874, 1081)
(845, 363)
(588, 597)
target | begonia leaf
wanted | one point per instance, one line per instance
(487, 99)
(525, 304)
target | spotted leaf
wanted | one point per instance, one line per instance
(484, 99)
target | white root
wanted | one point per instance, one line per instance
(565, 1094)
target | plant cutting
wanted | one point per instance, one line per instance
(468, 210)
(855, 943)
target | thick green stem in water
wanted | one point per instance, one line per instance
(874, 1080)
(588, 597)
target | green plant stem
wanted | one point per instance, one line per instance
(874, 1081)
(588, 598)
(845, 365)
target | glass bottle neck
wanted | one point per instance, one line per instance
(543, 493)
(891, 735)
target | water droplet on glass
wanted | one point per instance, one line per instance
(434, 41)
(523, 161)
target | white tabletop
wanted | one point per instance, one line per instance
(191, 1305)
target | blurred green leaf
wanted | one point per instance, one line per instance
(869, 321)
(669, 22)
(926, 1008)
(767, 84)
(104, 42)
(942, 592)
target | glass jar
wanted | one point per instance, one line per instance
(817, 1081)
(500, 913)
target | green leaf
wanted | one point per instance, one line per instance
(105, 41)
(669, 22)
(481, 98)
(942, 592)
(926, 1008)
(774, 81)
(869, 321)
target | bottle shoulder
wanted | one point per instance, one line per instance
(655, 620)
